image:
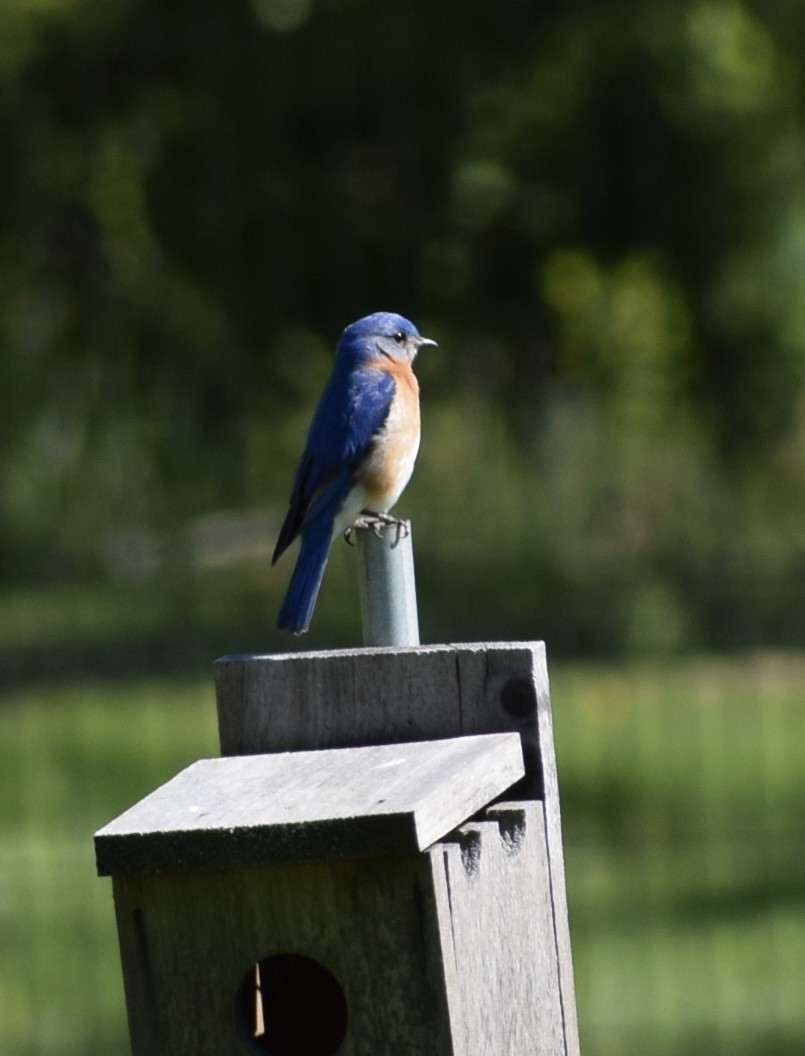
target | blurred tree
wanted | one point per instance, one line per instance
(600, 208)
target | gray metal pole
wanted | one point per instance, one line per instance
(387, 585)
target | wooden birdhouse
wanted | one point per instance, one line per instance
(373, 867)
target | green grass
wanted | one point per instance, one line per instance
(682, 789)
(72, 757)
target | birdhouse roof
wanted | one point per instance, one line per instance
(239, 811)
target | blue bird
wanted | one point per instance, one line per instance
(360, 451)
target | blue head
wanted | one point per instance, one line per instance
(382, 334)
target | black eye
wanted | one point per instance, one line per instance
(399, 337)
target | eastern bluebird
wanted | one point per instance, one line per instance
(359, 454)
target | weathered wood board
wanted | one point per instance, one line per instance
(292, 806)
(493, 887)
(299, 701)
(189, 939)
(450, 952)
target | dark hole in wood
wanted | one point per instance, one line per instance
(518, 697)
(290, 1005)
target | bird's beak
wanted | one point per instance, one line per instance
(426, 342)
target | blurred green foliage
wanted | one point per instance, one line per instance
(598, 208)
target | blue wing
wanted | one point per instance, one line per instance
(351, 411)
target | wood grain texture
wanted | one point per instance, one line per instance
(352, 802)
(493, 888)
(188, 939)
(451, 952)
(554, 856)
(300, 701)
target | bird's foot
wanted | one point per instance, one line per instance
(378, 522)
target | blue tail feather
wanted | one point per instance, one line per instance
(300, 600)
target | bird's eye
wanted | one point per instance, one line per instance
(399, 337)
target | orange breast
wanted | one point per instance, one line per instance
(391, 462)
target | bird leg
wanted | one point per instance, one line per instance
(378, 522)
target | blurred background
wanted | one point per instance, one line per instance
(598, 209)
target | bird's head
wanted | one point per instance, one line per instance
(385, 334)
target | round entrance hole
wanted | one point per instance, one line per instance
(290, 1005)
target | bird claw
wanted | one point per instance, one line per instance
(377, 523)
